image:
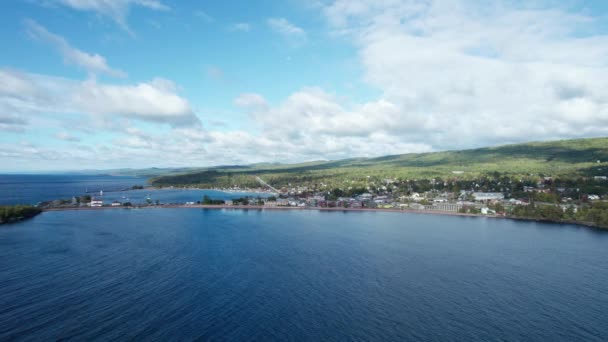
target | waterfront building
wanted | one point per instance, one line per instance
(488, 196)
(96, 202)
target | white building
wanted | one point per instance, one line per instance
(282, 202)
(96, 203)
(116, 204)
(270, 203)
(487, 211)
(488, 196)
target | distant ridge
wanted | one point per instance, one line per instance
(569, 158)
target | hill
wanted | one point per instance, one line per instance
(564, 158)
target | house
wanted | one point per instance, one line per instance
(228, 202)
(381, 199)
(600, 178)
(282, 202)
(355, 204)
(96, 202)
(116, 204)
(270, 203)
(593, 197)
(451, 207)
(417, 206)
(416, 196)
(487, 211)
(364, 197)
(488, 196)
(514, 201)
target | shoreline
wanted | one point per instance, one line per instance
(260, 207)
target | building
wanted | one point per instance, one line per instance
(282, 202)
(116, 204)
(417, 206)
(488, 196)
(270, 203)
(355, 204)
(96, 202)
(228, 202)
(365, 196)
(600, 178)
(451, 207)
(593, 197)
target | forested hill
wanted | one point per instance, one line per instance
(569, 158)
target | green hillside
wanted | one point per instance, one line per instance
(565, 158)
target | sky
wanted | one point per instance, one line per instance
(103, 84)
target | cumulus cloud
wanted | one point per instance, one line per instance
(118, 10)
(154, 101)
(312, 124)
(461, 76)
(448, 75)
(284, 27)
(93, 63)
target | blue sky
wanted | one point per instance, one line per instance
(140, 83)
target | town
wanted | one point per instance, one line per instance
(581, 200)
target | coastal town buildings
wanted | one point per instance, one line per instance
(488, 196)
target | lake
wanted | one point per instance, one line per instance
(31, 189)
(238, 275)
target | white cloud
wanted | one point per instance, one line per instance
(93, 63)
(155, 101)
(449, 75)
(312, 124)
(458, 75)
(284, 27)
(118, 10)
(243, 27)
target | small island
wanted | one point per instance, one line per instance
(15, 213)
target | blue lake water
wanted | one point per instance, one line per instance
(31, 189)
(238, 275)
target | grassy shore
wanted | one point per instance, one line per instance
(15, 213)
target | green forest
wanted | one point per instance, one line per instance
(564, 159)
(17, 213)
